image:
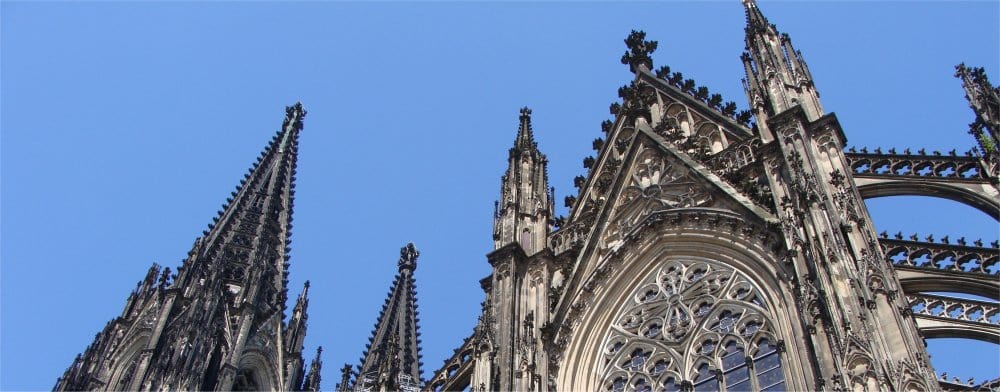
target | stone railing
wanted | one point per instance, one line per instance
(936, 166)
(569, 237)
(957, 309)
(941, 256)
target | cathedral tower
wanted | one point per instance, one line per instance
(218, 324)
(524, 212)
(517, 304)
(777, 77)
(849, 301)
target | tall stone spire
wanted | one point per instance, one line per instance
(777, 77)
(391, 361)
(524, 211)
(228, 298)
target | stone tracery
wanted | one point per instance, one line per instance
(692, 321)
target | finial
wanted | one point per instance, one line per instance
(294, 115)
(525, 139)
(306, 285)
(638, 51)
(408, 257)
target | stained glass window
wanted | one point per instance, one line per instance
(692, 309)
(705, 380)
(767, 365)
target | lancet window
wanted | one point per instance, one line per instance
(694, 322)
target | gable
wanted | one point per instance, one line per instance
(660, 178)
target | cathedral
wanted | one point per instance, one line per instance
(707, 249)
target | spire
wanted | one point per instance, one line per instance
(296, 333)
(525, 209)
(408, 257)
(777, 77)
(984, 99)
(345, 378)
(755, 19)
(392, 358)
(246, 246)
(312, 381)
(525, 138)
(232, 285)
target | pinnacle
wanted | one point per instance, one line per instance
(525, 137)
(395, 332)
(408, 257)
(755, 19)
(637, 55)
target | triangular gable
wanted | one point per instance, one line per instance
(660, 178)
(654, 177)
(651, 102)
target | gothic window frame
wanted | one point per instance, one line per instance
(737, 318)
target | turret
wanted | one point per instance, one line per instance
(831, 244)
(312, 381)
(524, 212)
(984, 99)
(296, 333)
(777, 77)
(345, 378)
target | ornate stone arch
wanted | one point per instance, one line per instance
(861, 374)
(709, 134)
(123, 370)
(604, 318)
(256, 372)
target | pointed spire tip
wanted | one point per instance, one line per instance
(408, 257)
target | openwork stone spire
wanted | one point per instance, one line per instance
(392, 359)
(228, 298)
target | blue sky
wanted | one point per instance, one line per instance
(126, 124)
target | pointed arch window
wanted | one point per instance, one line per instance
(670, 385)
(705, 380)
(698, 309)
(526, 241)
(767, 366)
(618, 385)
(642, 386)
(246, 380)
(734, 368)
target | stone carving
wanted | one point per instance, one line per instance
(656, 184)
(638, 51)
(677, 317)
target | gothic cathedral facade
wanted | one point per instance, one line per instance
(707, 250)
